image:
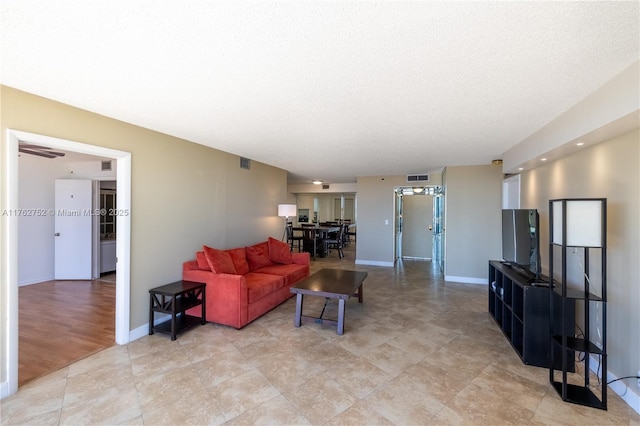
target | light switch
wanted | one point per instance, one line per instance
(386, 221)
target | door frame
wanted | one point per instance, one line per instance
(9, 249)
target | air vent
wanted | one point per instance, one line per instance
(106, 166)
(245, 163)
(325, 186)
(418, 178)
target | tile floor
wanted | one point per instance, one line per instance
(418, 351)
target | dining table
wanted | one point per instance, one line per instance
(320, 233)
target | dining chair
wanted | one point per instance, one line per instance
(293, 239)
(308, 235)
(336, 242)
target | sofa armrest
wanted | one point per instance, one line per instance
(190, 265)
(303, 258)
(227, 296)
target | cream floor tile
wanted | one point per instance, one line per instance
(512, 387)
(552, 410)
(113, 408)
(137, 421)
(35, 399)
(110, 356)
(158, 362)
(391, 359)
(419, 341)
(200, 409)
(48, 419)
(288, 372)
(242, 393)
(367, 338)
(104, 382)
(405, 400)
(157, 390)
(213, 371)
(360, 378)
(359, 414)
(439, 384)
(462, 365)
(276, 411)
(150, 344)
(477, 405)
(320, 399)
(417, 351)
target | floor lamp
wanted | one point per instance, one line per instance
(286, 211)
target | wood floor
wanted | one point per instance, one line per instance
(61, 322)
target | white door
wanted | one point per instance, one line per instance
(73, 229)
(417, 220)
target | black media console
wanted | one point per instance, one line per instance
(521, 310)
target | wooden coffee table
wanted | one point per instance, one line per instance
(331, 284)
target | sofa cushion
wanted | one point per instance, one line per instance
(291, 273)
(239, 259)
(279, 251)
(219, 261)
(258, 256)
(260, 285)
(201, 259)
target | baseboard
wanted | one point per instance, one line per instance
(620, 387)
(143, 330)
(374, 263)
(36, 281)
(466, 280)
(4, 389)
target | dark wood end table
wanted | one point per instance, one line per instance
(331, 284)
(175, 299)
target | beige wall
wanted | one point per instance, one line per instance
(375, 206)
(376, 198)
(473, 221)
(183, 195)
(608, 170)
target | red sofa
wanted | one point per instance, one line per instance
(246, 282)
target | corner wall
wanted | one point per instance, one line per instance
(473, 222)
(610, 170)
(183, 195)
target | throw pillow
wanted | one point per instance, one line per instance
(219, 261)
(202, 261)
(279, 251)
(258, 256)
(239, 259)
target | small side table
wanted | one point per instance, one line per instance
(174, 299)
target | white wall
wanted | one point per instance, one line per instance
(35, 233)
(37, 176)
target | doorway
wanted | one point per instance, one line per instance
(418, 217)
(9, 186)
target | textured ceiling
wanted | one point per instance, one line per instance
(328, 90)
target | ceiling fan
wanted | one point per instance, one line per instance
(41, 151)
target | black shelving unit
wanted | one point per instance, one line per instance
(522, 311)
(577, 231)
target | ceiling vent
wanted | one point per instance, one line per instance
(106, 166)
(325, 186)
(245, 163)
(418, 178)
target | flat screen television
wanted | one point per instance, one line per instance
(521, 241)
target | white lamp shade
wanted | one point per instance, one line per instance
(584, 222)
(287, 210)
